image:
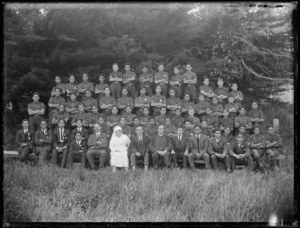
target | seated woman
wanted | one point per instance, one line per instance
(118, 145)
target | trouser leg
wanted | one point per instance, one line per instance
(227, 161)
(64, 158)
(24, 153)
(164, 90)
(174, 159)
(44, 151)
(167, 159)
(132, 159)
(155, 157)
(249, 162)
(90, 158)
(70, 159)
(54, 156)
(102, 157)
(146, 159)
(232, 161)
(214, 161)
(206, 160)
(191, 158)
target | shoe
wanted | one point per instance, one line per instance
(193, 169)
(228, 170)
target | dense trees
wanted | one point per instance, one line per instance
(252, 45)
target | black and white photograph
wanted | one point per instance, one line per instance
(150, 112)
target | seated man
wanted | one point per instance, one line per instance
(212, 121)
(160, 146)
(247, 137)
(104, 128)
(201, 106)
(242, 119)
(139, 148)
(198, 145)
(216, 107)
(274, 146)
(186, 104)
(78, 148)
(129, 116)
(161, 118)
(136, 123)
(107, 102)
(43, 142)
(191, 117)
(227, 136)
(88, 101)
(240, 153)
(126, 130)
(179, 145)
(158, 101)
(145, 118)
(218, 150)
(188, 129)
(225, 121)
(54, 103)
(113, 119)
(93, 118)
(257, 146)
(97, 143)
(124, 101)
(82, 115)
(72, 105)
(24, 141)
(61, 142)
(142, 101)
(173, 103)
(178, 120)
(233, 108)
(205, 130)
(170, 129)
(83, 131)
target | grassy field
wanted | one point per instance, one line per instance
(48, 194)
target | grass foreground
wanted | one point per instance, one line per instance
(50, 194)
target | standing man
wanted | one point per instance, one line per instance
(43, 142)
(162, 78)
(139, 148)
(180, 148)
(54, 103)
(84, 86)
(96, 146)
(129, 80)
(190, 81)
(115, 78)
(36, 112)
(221, 92)
(24, 141)
(198, 144)
(146, 80)
(61, 142)
(160, 146)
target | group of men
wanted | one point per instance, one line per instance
(170, 129)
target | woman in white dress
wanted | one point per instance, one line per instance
(118, 145)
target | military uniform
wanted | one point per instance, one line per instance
(222, 91)
(157, 99)
(129, 118)
(177, 88)
(234, 93)
(147, 85)
(88, 103)
(107, 100)
(201, 106)
(86, 85)
(237, 107)
(185, 106)
(212, 121)
(173, 101)
(178, 121)
(143, 99)
(35, 119)
(216, 108)
(160, 76)
(70, 88)
(190, 88)
(115, 87)
(124, 100)
(100, 86)
(54, 100)
(130, 86)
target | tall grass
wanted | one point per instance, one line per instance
(49, 194)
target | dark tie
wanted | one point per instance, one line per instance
(61, 136)
(198, 141)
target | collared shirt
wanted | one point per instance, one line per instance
(190, 76)
(107, 100)
(86, 85)
(26, 130)
(145, 76)
(187, 104)
(206, 89)
(161, 75)
(127, 75)
(129, 117)
(173, 101)
(235, 93)
(221, 91)
(72, 104)
(80, 116)
(274, 137)
(61, 115)
(88, 102)
(143, 99)
(101, 86)
(177, 78)
(56, 100)
(115, 75)
(36, 106)
(79, 129)
(61, 86)
(258, 139)
(202, 106)
(125, 100)
(158, 99)
(178, 121)
(242, 120)
(72, 87)
(113, 118)
(78, 142)
(256, 113)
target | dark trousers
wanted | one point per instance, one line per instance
(34, 122)
(191, 89)
(156, 157)
(43, 152)
(55, 154)
(192, 157)
(23, 152)
(115, 88)
(93, 152)
(179, 155)
(73, 154)
(245, 161)
(131, 89)
(134, 157)
(216, 159)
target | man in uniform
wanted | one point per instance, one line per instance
(36, 112)
(88, 101)
(107, 102)
(115, 78)
(190, 81)
(129, 81)
(162, 78)
(84, 86)
(221, 92)
(158, 101)
(146, 80)
(123, 101)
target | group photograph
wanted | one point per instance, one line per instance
(149, 112)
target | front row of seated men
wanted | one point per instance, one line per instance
(243, 149)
